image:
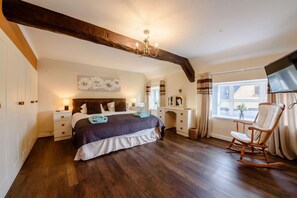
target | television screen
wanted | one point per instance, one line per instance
(282, 76)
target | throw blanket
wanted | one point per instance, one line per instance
(142, 114)
(117, 125)
(97, 118)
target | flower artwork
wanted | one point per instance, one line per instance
(90, 83)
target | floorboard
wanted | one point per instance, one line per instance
(175, 167)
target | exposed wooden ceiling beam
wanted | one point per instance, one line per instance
(34, 16)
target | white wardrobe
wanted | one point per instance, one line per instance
(18, 111)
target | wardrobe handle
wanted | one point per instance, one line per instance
(181, 128)
(63, 132)
(32, 101)
(181, 121)
(62, 117)
(160, 116)
(36, 101)
(62, 124)
(0, 106)
(21, 103)
(181, 114)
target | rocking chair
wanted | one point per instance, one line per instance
(259, 132)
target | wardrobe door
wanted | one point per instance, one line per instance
(3, 54)
(22, 107)
(29, 108)
(12, 109)
(3, 129)
(34, 97)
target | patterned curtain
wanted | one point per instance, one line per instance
(162, 93)
(204, 91)
(283, 141)
(147, 95)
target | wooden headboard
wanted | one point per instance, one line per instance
(120, 103)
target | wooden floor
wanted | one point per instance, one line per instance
(175, 167)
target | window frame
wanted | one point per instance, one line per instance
(157, 87)
(231, 100)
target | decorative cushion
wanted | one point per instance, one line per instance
(93, 108)
(102, 109)
(268, 115)
(111, 106)
(84, 108)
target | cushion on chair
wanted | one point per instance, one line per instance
(241, 136)
(266, 119)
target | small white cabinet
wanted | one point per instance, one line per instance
(62, 125)
(182, 119)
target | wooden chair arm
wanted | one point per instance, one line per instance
(258, 129)
(243, 122)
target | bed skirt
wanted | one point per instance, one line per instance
(101, 147)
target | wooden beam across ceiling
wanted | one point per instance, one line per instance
(35, 16)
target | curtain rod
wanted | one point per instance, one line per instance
(233, 71)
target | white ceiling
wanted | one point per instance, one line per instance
(208, 30)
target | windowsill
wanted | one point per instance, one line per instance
(231, 118)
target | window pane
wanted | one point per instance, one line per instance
(227, 97)
(154, 97)
(246, 91)
(224, 92)
(224, 108)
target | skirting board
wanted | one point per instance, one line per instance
(221, 137)
(41, 135)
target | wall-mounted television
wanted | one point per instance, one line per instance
(282, 74)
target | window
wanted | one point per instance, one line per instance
(227, 96)
(154, 97)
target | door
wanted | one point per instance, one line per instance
(3, 54)
(22, 107)
(3, 130)
(12, 109)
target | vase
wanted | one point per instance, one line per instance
(241, 115)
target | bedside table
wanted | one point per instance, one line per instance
(62, 125)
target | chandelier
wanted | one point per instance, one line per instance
(147, 50)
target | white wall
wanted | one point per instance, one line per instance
(58, 80)
(220, 127)
(177, 81)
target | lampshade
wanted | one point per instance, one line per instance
(133, 100)
(66, 102)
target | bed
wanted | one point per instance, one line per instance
(123, 130)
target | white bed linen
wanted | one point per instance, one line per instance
(101, 147)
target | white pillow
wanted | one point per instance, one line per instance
(84, 108)
(111, 106)
(102, 109)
